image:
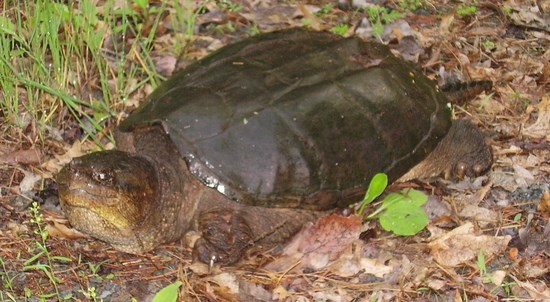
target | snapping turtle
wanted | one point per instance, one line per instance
(254, 140)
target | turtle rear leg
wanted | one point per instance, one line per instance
(462, 152)
(226, 233)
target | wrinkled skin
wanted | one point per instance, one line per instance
(138, 200)
(154, 189)
(113, 187)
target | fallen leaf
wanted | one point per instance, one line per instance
(28, 182)
(250, 291)
(497, 277)
(55, 164)
(27, 157)
(481, 215)
(436, 284)
(462, 244)
(280, 293)
(534, 269)
(541, 127)
(227, 280)
(445, 25)
(315, 246)
(165, 64)
(17, 228)
(541, 292)
(544, 204)
(348, 266)
(62, 231)
(528, 13)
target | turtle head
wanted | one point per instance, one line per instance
(109, 195)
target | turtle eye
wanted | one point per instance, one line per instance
(102, 176)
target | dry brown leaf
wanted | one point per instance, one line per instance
(315, 246)
(17, 228)
(227, 280)
(250, 291)
(541, 127)
(445, 25)
(348, 265)
(534, 269)
(165, 65)
(62, 231)
(280, 293)
(544, 204)
(28, 182)
(539, 291)
(308, 13)
(436, 283)
(481, 215)
(497, 277)
(55, 164)
(528, 13)
(520, 177)
(462, 244)
(27, 157)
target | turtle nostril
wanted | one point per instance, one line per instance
(72, 167)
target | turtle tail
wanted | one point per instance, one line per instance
(459, 93)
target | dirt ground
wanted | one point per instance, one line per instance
(488, 238)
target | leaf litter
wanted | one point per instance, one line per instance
(502, 218)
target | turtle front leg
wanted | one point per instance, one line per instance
(225, 236)
(227, 232)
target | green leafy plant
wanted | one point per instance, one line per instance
(410, 5)
(254, 30)
(229, 5)
(486, 277)
(488, 44)
(399, 212)
(466, 10)
(168, 293)
(34, 263)
(325, 9)
(380, 16)
(90, 294)
(142, 4)
(506, 10)
(7, 283)
(54, 47)
(94, 269)
(340, 29)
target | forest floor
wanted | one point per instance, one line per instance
(488, 238)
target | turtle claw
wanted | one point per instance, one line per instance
(472, 165)
(474, 156)
(225, 236)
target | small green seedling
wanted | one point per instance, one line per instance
(340, 29)
(399, 212)
(142, 4)
(507, 10)
(466, 10)
(488, 44)
(380, 16)
(168, 293)
(411, 5)
(326, 9)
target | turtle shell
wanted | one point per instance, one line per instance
(297, 118)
